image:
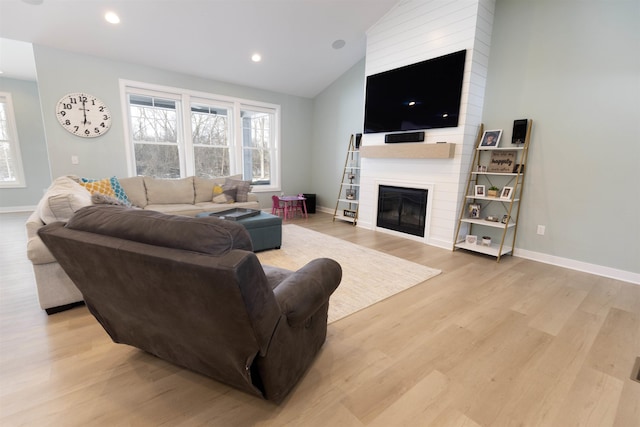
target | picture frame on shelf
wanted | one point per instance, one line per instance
(491, 138)
(474, 210)
(506, 193)
(481, 168)
(479, 191)
(471, 239)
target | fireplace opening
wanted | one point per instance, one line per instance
(402, 209)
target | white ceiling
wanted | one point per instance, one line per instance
(213, 39)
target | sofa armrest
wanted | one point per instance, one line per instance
(302, 293)
(37, 252)
(252, 197)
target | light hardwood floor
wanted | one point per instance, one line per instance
(515, 343)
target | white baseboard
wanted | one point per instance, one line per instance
(598, 270)
(13, 209)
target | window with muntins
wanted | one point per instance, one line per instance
(176, 133)
(11, 172)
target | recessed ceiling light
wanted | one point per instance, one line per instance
(256, 57)
(338, 44)
(112, 18)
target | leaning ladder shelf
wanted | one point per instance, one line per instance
(347, 202)
(506, 229)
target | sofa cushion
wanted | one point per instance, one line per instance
(204, 186)
(62, 199)
(103, 199)
(169, 191)
(208, 235)
(135, 189)
(223, 198)
(108, 186)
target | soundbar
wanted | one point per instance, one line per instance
(392, 138)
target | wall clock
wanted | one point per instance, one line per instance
(83, 115)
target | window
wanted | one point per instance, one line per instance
(216, 136)
(11, 175)
(256, 144)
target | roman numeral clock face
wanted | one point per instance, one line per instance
(83, 115)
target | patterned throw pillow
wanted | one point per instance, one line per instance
(242, 188)
(108, 186)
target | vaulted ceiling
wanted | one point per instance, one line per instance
(297, 39)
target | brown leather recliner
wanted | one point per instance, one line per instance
(191, 291)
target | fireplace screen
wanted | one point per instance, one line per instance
(402, 209)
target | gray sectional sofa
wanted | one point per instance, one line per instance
(67, 194)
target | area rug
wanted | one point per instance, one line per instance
(368, 276)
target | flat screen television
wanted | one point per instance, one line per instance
(425, 95)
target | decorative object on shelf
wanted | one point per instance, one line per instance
(506, 193)
(83, 115)
(502, 161)
(518, 168)
(505, 219)
(492, 218)
(493, 191)
(479, 191)
(481, 168)
(519, 131)
(349, 213)
(474, 210)
(486, 241)
(491, 138)
(350, 194)
(471, 239)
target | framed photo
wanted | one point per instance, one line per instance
(491, 138)
(471, 239)
(506, 193)
(474, 210)
(502, 161)
(481, 168)
(480, 191)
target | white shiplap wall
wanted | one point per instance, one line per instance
(414, 31)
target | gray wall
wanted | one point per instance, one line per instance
(338, 112)
(106, 156)
(26, 105)
(573, 68)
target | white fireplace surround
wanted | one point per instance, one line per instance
(406, 184)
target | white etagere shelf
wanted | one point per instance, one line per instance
(486, 170)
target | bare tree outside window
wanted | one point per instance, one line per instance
(154, 132)
(210, 133)
(179, 133)
(256, 141)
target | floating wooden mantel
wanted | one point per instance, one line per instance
(409, 151)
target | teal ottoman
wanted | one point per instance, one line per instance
(264, 229)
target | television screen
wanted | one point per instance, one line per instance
(425, 95)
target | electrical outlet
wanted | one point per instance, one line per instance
(541, 230)
(75, 160)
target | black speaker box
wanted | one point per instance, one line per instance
(392, 138)
(519, 131)
(358, 140)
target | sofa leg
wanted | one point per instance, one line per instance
(58, 309)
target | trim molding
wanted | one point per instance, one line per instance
(599, 270)
(13, 209)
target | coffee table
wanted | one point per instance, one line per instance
(264, 229)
